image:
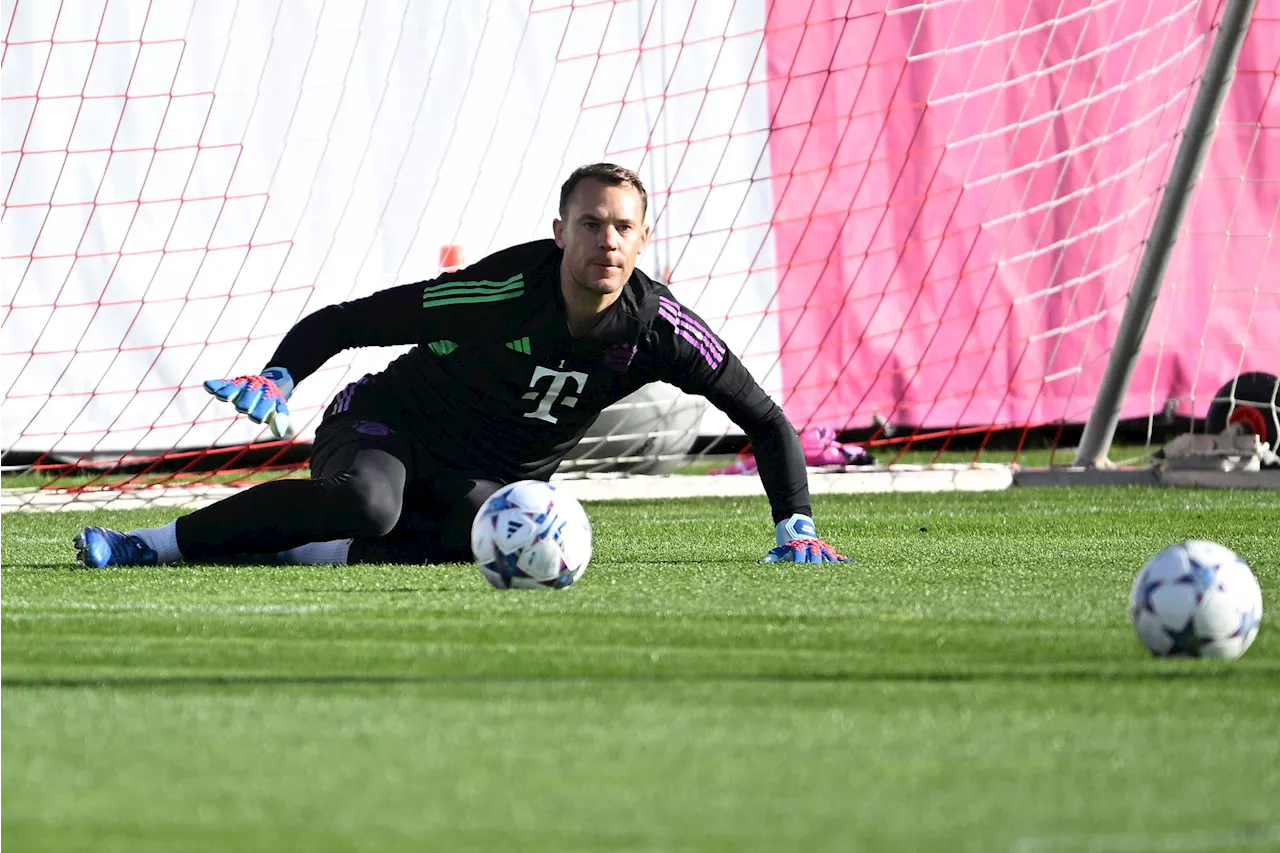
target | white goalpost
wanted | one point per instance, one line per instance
(937, 229)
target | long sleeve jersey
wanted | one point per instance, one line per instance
(498, 386)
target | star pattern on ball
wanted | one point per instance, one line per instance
(499, 502)
(1196, 599)
(508, 566)
(1202, 577)
(1147, 591)
(562, 580)
(1186, 641)
(1248, 624)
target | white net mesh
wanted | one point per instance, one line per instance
(923, 214)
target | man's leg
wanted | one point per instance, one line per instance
(434, 527)
(359, 470)
(363, 499)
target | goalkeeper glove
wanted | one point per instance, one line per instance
(262, 397)
(798, 542)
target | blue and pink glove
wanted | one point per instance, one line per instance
(798, 542)
(261, 397)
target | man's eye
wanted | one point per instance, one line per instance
(591, 226)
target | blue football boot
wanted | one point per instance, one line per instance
(98, 548)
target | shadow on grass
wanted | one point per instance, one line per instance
(1189, 671)
(375, 589)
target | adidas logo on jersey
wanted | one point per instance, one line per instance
(521, 345)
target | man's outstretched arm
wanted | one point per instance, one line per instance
(386, 318)
(698, 362)
(440, 308)
(786, 481)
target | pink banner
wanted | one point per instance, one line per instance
(962, 196)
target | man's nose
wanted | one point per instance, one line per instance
(609, 237)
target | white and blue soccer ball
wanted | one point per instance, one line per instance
(529, 534)
(1196, 599)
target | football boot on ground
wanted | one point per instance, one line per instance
(100, 548)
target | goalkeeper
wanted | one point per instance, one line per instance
(515, 357)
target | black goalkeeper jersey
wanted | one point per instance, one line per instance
(496, 384)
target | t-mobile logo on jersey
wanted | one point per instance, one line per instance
(555, 392)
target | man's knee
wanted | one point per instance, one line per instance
(480, 491)
(369, 506)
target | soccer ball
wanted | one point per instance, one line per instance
(530, 534)
(1196, 599)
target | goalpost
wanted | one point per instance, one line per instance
(920, 223)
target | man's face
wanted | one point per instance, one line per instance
(602, 234)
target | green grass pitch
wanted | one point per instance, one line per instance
(971, 684)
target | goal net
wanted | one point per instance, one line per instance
(915, 222)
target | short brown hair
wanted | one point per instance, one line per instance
(609, 174)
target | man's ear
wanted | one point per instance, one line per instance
(557, 228)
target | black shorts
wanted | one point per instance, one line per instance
(360, 418)
(439, 501)
(355, 422)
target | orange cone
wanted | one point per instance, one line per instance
(451, 258)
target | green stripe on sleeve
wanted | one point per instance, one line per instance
(462, 292)
(465, 300)
(518, 278)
